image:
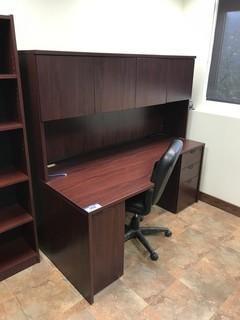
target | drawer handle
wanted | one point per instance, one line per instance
(192, 151)
(190, 167)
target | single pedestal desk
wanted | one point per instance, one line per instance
(89, 247)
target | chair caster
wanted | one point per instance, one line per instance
(154, 256)
(168, 233)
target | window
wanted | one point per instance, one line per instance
(224, 77)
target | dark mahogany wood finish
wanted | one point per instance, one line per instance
(106, 142)
(151, 81)
(108, 245)
(35, 127)
(57, 72)
(18, 241)
(179, 79)
(16, 251)
(69, 245)
(112, 128)
(119, 81)
(112, 176)
(88, 249)
(114, 83)
(218, 203)
(101, 131)
(182, 189)
(95, 241)
(7, 48)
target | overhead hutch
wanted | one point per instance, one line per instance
(101, 121)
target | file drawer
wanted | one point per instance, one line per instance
(183, 186)
(192, 156)
(191, 171)
(187, 193)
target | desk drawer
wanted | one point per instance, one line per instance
(191, 157)
(182, 188)
(191, 171)
(187, 193)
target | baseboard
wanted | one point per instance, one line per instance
(226, 206)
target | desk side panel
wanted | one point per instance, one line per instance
(108, 245)
(175, 119)
(35, 129)
(179, 79)
(64, 238)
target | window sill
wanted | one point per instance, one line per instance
(220, 108)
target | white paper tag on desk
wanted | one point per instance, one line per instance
(92, 207)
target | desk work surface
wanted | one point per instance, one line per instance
(110, 176)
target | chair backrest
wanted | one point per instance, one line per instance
(164, 167)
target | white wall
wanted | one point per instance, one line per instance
(216, 124)
(145, 26)
(221, 169)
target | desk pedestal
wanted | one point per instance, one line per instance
(183, 186)
(108, 245)
(87, 248)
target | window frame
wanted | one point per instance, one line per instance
(224, 6)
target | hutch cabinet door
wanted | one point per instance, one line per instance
(115, 83)
(151, 81)
(66, 86)
(179, 79)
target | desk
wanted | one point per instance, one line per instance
(111, 176)
(85, 112)
(89, 247)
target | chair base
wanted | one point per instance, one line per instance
(134, 231)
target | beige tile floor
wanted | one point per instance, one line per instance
(196, 278)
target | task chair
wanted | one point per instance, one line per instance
(141, 204)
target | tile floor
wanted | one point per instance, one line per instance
(196, 278)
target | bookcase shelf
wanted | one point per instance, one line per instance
(10, 176)
(13, 216)
(16, 254)
(7, 59)
(10, 102)
(10, 125)
(18, 239)
(8, 76)
(13, 165)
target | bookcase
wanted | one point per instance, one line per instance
(18, 237)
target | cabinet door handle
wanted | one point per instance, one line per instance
(190, 167)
